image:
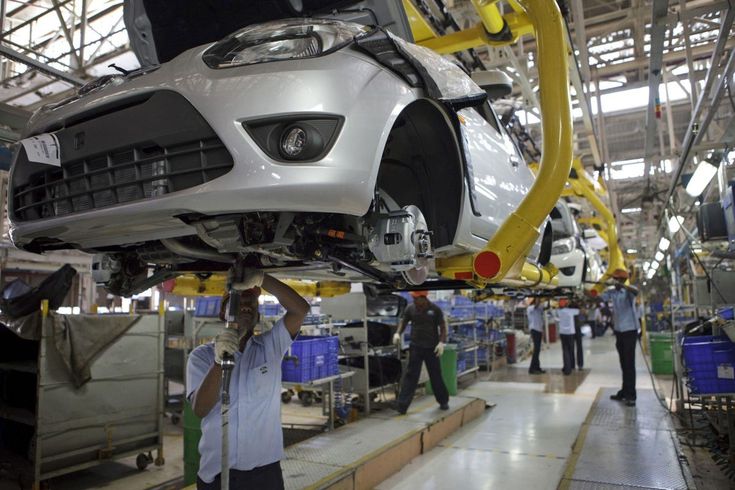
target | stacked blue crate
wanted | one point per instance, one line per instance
(482, 355)
(271, 309)
(710, 364)
(311, 358)
(443, 305)
(207, 306)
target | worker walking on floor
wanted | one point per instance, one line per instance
(256, 446)
(566, 315)
(428, 335)
(625, 327)
(535, 314)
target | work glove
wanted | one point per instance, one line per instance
(397, 339)
(250, 278)
(226, 342)
(439, 349)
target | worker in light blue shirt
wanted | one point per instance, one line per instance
(535, 314)
(625, 326)
(255, 434)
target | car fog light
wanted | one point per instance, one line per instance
(293, 142)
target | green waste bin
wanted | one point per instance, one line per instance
(662, 355)
(448, 364)
(192, 434)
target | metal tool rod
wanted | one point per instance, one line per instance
(228, 362)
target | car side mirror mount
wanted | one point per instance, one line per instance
(496, 83)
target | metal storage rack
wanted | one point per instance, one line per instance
(52, 428)
(353, 307)
(471, 344)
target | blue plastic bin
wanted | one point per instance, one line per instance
(311, 358)
(726, 313)
(707, 359)
(208, 306)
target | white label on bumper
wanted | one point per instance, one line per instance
(43, 148)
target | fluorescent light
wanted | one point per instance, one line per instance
(644, 283)
(655, 266)
(646, 265)
(664, 244)
(651, 273)
(659, 256)
(632, 251)
(703, 175)
(630, 210)
(675, 223)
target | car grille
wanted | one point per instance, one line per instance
(139, 149)
(123, 176)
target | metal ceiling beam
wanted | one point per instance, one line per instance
(37, 65)
(698, 52)
(659, 10)
(581, 38)
(33, 19)
(68, 34)
(581, 95)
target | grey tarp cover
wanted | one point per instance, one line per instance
(78, 338)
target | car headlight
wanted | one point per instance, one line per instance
(563, 246)
(281, 40)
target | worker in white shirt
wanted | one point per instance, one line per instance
(535, 314)
(596, 321)
(566, 315)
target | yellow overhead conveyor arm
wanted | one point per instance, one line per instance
(503, 257)
(193, 285)
(585, 188)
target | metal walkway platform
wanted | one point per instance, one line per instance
(623, 447)
(363, 454)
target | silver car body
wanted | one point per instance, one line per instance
(579, 264)
(345, 83)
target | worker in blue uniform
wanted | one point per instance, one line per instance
(625, 326)
(256, 446)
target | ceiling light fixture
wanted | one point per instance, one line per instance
(663, 245)
(703, 175)
(675, 223)
(659, 256)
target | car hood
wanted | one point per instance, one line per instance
(159, 31)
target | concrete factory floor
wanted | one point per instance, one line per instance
(526, 441)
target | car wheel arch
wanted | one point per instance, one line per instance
(422, 148)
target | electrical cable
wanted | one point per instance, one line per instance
(729, 94)
(690, 241)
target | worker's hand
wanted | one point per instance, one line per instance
(250, 278)
(439, 349)
(397, 339)
(226, 342)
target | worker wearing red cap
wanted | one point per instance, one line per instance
(255, 388)
(625, 326)
(428, 335)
